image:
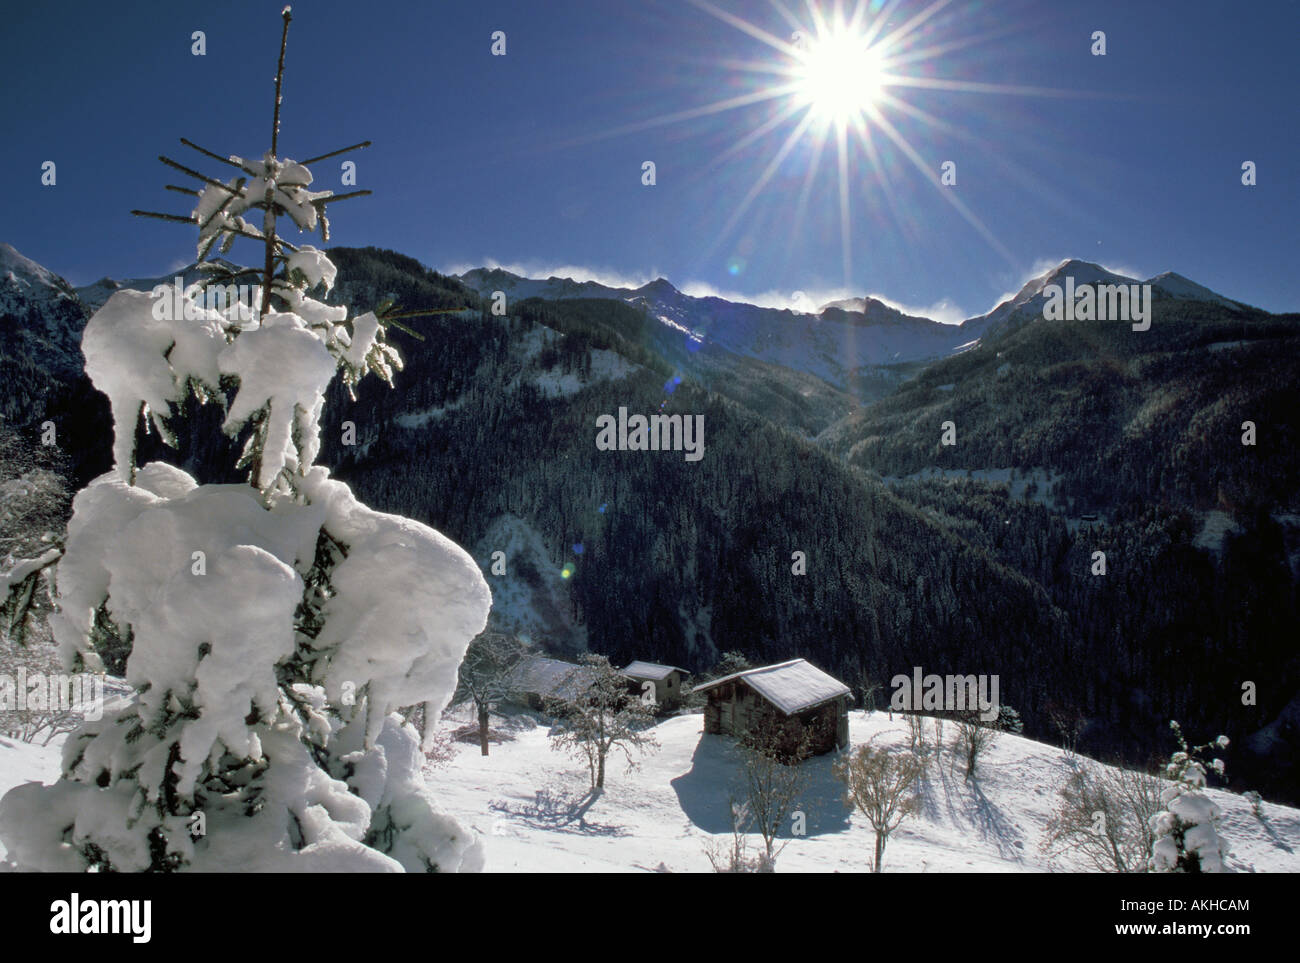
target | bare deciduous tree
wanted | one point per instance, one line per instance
(882, 785)
(485, 676)
(602, 717)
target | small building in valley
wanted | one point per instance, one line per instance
(665, 679)
(799, 698)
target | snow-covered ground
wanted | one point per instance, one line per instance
(22, 762)
(534, 807)
(605, 366)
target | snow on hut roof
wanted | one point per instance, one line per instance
(650, 670)
(790, 686)
(549, 677)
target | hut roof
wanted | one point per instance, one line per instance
(550, 677)
(650, 670)
(790, 686)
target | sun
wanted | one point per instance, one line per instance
(841, 85)
(839, 77)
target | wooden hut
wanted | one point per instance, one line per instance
(798, 696)
(666, 680)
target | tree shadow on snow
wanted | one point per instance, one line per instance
(714, 779)
(992, 824)
(560, 811)
(965, 803)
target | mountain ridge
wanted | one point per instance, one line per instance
(845, 336)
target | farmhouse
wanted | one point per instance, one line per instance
(537, 678)
(799, 696)
(666, 679)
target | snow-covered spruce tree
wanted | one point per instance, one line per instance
(1186, 831)
(273, 628)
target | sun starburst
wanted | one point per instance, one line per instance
(839, 80)
(834, 82)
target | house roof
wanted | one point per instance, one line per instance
(550, 677)
(650, 670)
(790, 686)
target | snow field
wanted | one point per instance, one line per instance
(535, 808)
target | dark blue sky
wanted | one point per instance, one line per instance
(534, 159)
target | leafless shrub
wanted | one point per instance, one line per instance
(439, 748)
(1256, 803)
(773, 779)
(974, 737)
(1069, 723)
(27, 724)
(916, 733)
(734, 856)
(1104, 815)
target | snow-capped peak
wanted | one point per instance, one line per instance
(658, 288)
(49, 316)
(93, 296)
(1028, 302)
(13, 261)
(1177, 286)
(873, 310)
(1083, 272)
(30, 277)
(486, 281)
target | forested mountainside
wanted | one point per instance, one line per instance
(40, 335)
(657, 557)
(1130, 443)
(1127, 418)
